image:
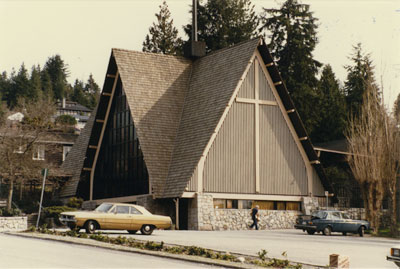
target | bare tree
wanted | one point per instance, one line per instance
(373, 141)
(391, 166)
(18, 143)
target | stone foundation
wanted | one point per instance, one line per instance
(239, 219)
(13, 224)
(203, 216)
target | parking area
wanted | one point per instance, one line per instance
(364, 252)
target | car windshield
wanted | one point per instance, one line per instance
(319, 214)
(103, 208)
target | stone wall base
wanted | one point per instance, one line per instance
(204, 217)
(8, 224)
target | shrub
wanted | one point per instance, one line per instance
(55, 211)
(75, 202)
(262, 254)
(31, 229)
(150, 245)
(66, 120)
(10, 213)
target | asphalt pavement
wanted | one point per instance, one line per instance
(363, 252)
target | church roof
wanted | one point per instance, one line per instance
(214, 79)
(176, 104)
(73, 163)
(155, 86)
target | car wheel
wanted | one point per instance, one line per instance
(147, 229)
(310, 232)
(344, 233)
(90, 226)
(361, 231)
(132, 231)
(327, 230)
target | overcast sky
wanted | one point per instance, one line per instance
(84, 31)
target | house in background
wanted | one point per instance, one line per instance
(51, 148)
(78, 111)
(202, 140)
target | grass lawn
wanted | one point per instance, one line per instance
(385, 232)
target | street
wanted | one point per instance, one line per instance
(364, 252)
(18, 252)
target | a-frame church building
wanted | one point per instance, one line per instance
(202, 140)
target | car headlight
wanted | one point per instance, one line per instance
(395, 252)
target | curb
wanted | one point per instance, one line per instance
(93, 243)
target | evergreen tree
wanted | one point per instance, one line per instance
(47, 86)
(332, 109)
(293, 33)
(358, 74)
(58, 73)
(78, 94)
(223, 23)
(35, 89)
(20, 85)
(163, 37)
(4, 84)
(92, 91)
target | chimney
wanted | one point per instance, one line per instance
(63, 102)
(195, 48)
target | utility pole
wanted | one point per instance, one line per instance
(44, 173)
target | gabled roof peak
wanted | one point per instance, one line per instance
(149, 53)
(234, 46)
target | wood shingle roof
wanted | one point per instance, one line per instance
(155, 86)
(73, 163)
(213, 82)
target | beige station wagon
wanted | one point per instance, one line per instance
(116, 216)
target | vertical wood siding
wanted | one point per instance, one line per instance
(229, 166)
(282, 169)
(318, 189)
(247, 87)
(265, 90)
(192, 185)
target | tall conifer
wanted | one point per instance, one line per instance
(293, 36)
(35, 89)
(358, 73)
(223, 23)
(163, 36)
(19, 87)
(58, 73)
(332, 109)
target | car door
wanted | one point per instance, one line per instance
(338, 224)
(137, 218)
(119, 218)
(350, 225)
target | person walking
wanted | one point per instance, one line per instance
(254, 217)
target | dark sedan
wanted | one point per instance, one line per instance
(328, 221)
